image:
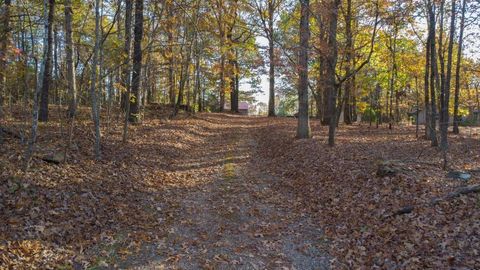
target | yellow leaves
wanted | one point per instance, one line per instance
(124, 252)
(29, 246)
(29, 252)
(120, 87)
(133, 98)
(361, 106)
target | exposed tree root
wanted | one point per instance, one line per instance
(456, 193)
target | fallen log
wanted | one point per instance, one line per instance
(460, 191)
(405, 210)
(10, 133)
(389, 167)
(56, 158)
(456, 193)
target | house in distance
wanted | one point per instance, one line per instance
(243, 108)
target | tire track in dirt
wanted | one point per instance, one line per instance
(237, 221)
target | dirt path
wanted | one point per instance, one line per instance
(236, 221)
(196, 192)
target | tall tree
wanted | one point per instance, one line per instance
(266, 10)
(303, 128)
(331, 63)
(428, 114)
(93, 81)
(456, 117)
(434, 80)
(170, 50)
(38, 86)
(137, 62)
(126, 70)
(4, 40)
(349, 94)
(445, 93)
(69, 50)
(71, 82)
(392, 47)
(220, 11)
(46, 82)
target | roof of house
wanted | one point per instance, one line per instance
(243, 106)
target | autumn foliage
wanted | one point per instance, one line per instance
(355, 207)
(213, 188)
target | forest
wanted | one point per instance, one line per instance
(239, 134)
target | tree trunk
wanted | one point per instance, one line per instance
(39, 82)
(234, 84)
(119, 71)
(347, 114)
(477, 96)
(428, 127)
(434, 80)
(71, 83)
(151, 69)
(126, 70)
(43, 115)
(456, 118)
(237, 82)
(170, 53)
(393, 74)
(222, 76)
(135, 116)
(271, 57)
(184, 74)
(126, 79)
(196, 92)
(318, 95)
(303, 128)
(93, 83)
(4, 40)
(444, 119)
(233, 107)
(331, 64)
(417, 99)
(56, 76)
(392, 91)
(185, 69)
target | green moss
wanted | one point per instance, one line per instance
(229, 171)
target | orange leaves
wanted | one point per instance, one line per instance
(347, 199)
(202, 190)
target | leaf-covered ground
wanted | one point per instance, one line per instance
(340, 189)
(222, 191)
